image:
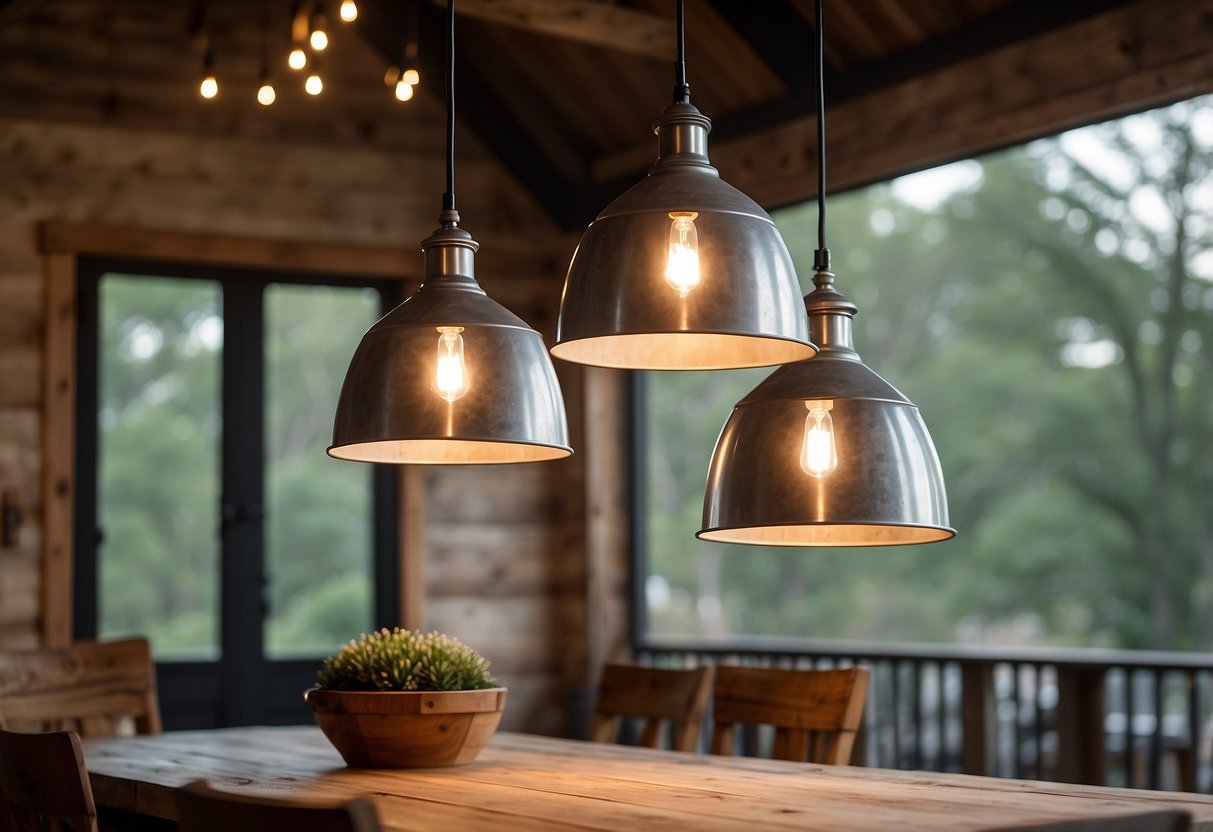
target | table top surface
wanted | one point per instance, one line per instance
(539, 783)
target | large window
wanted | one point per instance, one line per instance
(224, 534)
(1050, 311)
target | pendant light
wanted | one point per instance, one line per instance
(450, 376)
(683, 271)
(825, 452)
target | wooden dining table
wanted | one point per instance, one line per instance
(525, 782)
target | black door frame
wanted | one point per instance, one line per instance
(197, 694)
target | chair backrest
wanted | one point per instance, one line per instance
(203, 808)
(42, 778)
(655, 695)
(86, 687)
(815, 712)
(1173, 820)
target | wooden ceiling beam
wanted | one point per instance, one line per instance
(986, 86)
(586, 21)
(551, 167)
(1140, 55)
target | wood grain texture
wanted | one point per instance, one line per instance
(88, 686)
(815, 712)
(528, 782)
(42, 778)
(659, 696)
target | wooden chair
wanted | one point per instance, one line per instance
(88, 687)
(1164, 821)
(656, 695)
(203, 808)
(815, 712)
(42, 779)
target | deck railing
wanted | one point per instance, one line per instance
(1104, 717)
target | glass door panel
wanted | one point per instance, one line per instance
(159, 360)
(319, 526)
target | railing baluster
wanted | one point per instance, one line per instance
(1156, 737)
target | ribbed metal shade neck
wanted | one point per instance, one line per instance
(682, 137)
(887, 487)
(401, 404)
(722, 295)
(831, 318)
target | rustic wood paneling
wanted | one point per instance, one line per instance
(112, 191)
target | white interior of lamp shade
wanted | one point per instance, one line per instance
(682, 351)
(830, 534)
(447, 452)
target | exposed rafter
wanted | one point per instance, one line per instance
(550, 166)
(585, 21)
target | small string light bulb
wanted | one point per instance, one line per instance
(319, 38)
(404, 90)
(819, 453)
(411, 77)
(209, 87)
(266, 94)
(682, 260)
(349, 11)
(450, 374)
(297, 59)
(314, 85)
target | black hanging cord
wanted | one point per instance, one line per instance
(448, 198)
(821, 258)
(682, 90)
(265, 40)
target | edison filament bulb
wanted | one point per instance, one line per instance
(450, 374)
(682, 259)
(819, 454)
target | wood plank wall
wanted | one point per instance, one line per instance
(505, 549)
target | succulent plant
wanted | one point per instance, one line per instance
(400, 659)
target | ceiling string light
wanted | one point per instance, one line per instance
(266, 95)
(825, 452)
(683, 271)
(450, 376)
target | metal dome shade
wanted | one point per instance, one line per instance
(739, 306)
(887, 489)
(393, 406)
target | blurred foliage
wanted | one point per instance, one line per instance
(159, 429)
(1048, 309)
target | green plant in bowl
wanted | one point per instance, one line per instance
(400, 659)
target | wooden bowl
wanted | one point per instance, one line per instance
(407, 729)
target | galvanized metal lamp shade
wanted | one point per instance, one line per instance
(494, 400)
(887, 487)
(735, 303)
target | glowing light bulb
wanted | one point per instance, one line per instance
(297, 59)
(682, 263)
(819, 455)
(450, 375)
(349, 11)
(411, 77)
(313, 85)
(266, 94)
(403, 91)
(209, 87)
(319, 40)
